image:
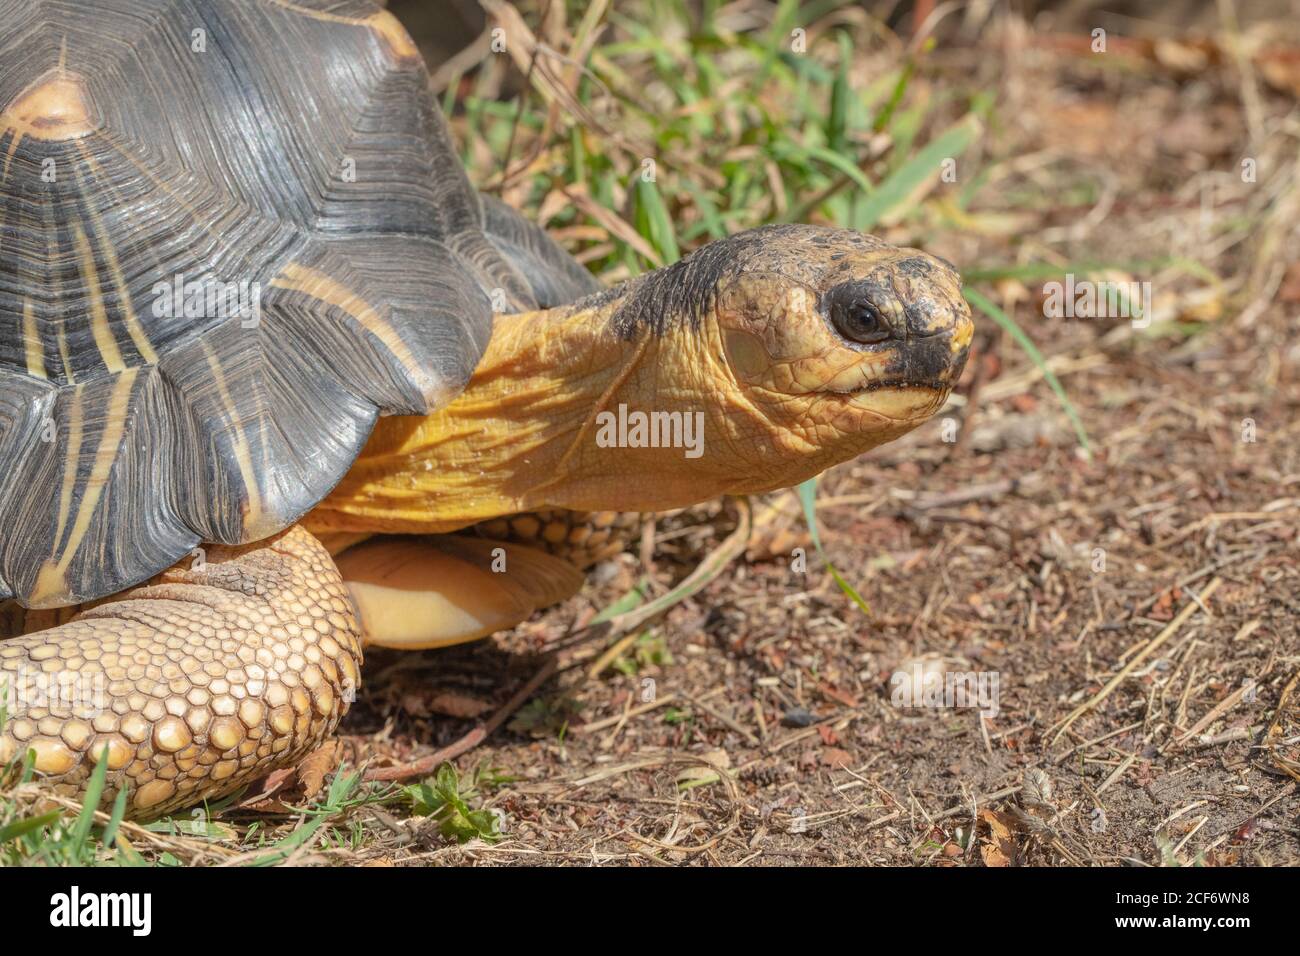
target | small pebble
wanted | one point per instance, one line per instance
(797, 717)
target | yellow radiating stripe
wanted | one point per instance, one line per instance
(104, 339)
(32, 337)
(52, 581)
(4, 206)
(316, 14)
(70, 463)
(133, 327)
(13, 146)
(318, 285)
(63, 354)
(243, 456)
(383, 23)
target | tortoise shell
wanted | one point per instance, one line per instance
(232, 233)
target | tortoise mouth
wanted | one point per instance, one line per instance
(933, 385)
(899, 400)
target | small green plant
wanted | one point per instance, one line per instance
(1165, 847)
(447, 799)
(649, 650)
(676, 715)
(344, 794)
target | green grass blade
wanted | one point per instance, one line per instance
(1045, 270)
(18, 828)
(629, 601)
(94, 790)
(1027, 344)
(837, 128)
(116, 817)
(653, 221)
(808, 498)
(843, 164)
(901, 185)
(886, 114)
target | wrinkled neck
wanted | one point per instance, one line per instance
(564, 410)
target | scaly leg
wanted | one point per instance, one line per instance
(197, 683)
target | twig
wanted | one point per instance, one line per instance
(604, 722)
(1117, 773)
(718, 715)
(1191, 833)
(1225, 705)
(986, 798)
(708, 569)
(1171, 629)
(1227, 737)
(1096, 740)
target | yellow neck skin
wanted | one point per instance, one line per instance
(527, 432)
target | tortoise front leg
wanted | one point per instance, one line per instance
(197, 683)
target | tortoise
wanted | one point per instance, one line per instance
(277, 383)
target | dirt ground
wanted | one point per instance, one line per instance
(1140, 610)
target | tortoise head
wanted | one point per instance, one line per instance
(754, 363)
(810, 314)
(832, 342)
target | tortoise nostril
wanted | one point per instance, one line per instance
(915, 320)
(925, 321)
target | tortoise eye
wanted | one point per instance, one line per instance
(860, 321)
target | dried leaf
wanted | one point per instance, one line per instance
(835, 757)
(453, 704)
(317, 765)
(1284, 731)
(834, 693)
(997, 846)
(992, 856)
(1036, 790)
